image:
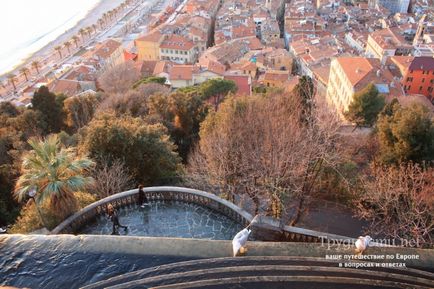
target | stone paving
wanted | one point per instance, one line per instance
(168, 219)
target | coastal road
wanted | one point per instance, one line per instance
(54, 61)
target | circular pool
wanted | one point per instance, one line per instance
(168, 219)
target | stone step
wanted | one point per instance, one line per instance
(249, 261)
(270, 270)
(294, 282)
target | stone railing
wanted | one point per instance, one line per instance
(75, 222)
(270, 229)
(264, 228)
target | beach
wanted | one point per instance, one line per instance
(91, 18)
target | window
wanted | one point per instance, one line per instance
(420, 88)
(423, 80)
(409, 79)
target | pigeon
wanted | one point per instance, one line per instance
(362, 243)
(240, 241)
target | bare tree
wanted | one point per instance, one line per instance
(111, 178)
(119, 78)
(399, 203)
(132, 101)
(262, 147)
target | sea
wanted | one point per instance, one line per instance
(28, 25)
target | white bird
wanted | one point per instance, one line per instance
(362, 243)
(2, 230)
(240, 240)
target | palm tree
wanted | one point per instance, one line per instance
(12, 78)
(101, 23)
(104, 16)
(82, 32)
(53, 173)
(59, 50)
(89, 30)
(75, 38)
(25, 71)
(35, 64)
(67, 44)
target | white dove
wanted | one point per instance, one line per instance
(362, 243)
(240, 241)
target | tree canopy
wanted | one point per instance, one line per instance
(54, 172)
(51, 108)
(145, 149)
(182, 114)
(150, 79)
(365, 106)
(405, 134)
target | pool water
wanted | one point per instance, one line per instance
(168, 219)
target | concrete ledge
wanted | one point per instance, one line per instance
(320, 281)
(199, 248)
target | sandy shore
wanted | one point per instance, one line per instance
(91, 18)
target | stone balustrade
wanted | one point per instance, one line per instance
(73, 223)
(264, 228)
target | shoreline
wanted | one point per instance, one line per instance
(90, 18)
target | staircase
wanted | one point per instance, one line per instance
(267, 272)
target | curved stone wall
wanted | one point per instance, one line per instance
(264, 228)
(75, 222)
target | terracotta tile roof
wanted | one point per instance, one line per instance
(146, 68)
(162, 67)
(154, 36)
(182, 72)
(106, 49)
(356, 68)
(403, 62)
(276, 75)
(422, 63)
(177, 42)
(389, 38)
(255, 43)
(81, 73)
(242, 81)
(65, 86)
(216, 67)
(129, 55)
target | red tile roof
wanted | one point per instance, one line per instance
(242, 81)
(177, 42)
(182, 72)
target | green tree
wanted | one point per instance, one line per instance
(8, 109)
(145, 149)
(405, 134)
(365, 106)
(51, 107)
(182, 114)
(80, 109)
(217, 89)
(55, 173)
(150, 79)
